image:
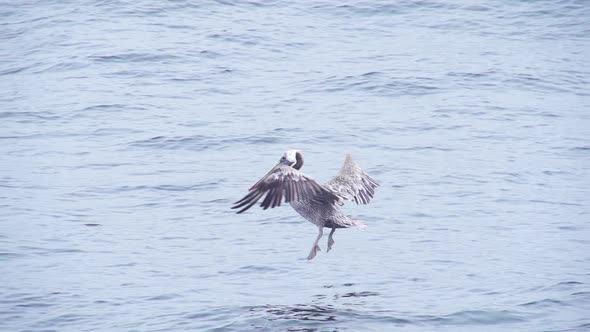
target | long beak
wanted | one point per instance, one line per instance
(264, 177)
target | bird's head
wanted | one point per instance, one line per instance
(293, 158)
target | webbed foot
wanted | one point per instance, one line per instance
(330, 243)
(330, 239)
(313, 252)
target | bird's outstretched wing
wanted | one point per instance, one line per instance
(284, 182)
(352, 183)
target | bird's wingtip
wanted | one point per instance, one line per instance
(348, 158)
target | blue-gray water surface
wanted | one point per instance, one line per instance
(128, 128)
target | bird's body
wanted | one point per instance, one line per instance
(319, 204)
(324, 215)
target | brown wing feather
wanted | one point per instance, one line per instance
(352, 183)
(285, 183)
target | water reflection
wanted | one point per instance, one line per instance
(305, 312)
(317, 314)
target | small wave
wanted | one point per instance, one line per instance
(59, 67)
(477, 317)
(62, 320)
(195, 142)
(102, 165)
(35, 305)
(357, 294)
(250, 269)
(564, 285)
(163, 187)
(543, 303)
(163, 297)
(134, 57)
(376, 84)
(378, 8)
(11, 255)
(30, 115)
(217, 201)
(416, 148)
(201, 143)
(49, 251)
(11, 71)
(554, 203)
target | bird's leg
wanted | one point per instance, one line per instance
(330, 239)
(315, 248)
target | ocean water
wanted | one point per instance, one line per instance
(128, 129)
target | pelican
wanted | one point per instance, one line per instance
(319, 204)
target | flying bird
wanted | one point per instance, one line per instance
(318, 203)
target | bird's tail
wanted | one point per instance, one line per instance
(356, 223)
